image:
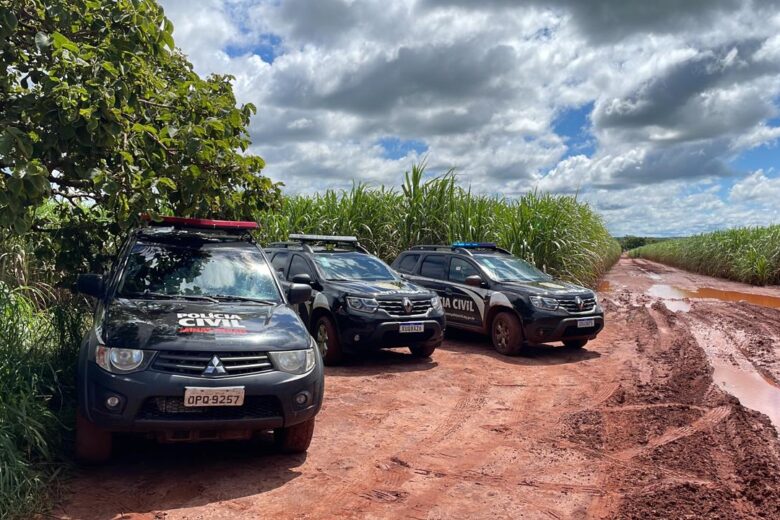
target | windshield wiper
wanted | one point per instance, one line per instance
(230, 297)
(163, 296)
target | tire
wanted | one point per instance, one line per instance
(507, 333)
(575, 343)
(423, 350)
(328, 341)
(93, 444)
(296, 438)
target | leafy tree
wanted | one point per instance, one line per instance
(103, 118)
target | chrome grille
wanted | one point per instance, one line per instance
(570, 305)
(395, 307)
(193, 363)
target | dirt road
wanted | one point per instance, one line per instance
(632, 426)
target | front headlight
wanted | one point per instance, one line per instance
(362, 304)
(540, 302)
(436, 303)
(293, 361)
(118, 360)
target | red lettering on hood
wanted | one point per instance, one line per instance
(210, 330)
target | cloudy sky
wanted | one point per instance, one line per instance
(663, 114)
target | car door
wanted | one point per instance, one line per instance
(300, 265)
(465, 304)
(432, 273)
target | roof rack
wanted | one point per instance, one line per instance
(463, 247)
(204, 229)
(303, 241)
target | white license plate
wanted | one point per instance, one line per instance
(411, 327)
(584, 324)
(224, 396)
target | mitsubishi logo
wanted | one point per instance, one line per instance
(579, 302)
(215, 368)
(408, 306)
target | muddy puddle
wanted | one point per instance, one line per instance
(672, 296)
(752, 389)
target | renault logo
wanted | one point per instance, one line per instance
(408, 307)
(579, 302)
(215, 368)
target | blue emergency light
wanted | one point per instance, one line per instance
(475, 245)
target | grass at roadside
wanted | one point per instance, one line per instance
(750, 255)
(558, 233)
(38, 348)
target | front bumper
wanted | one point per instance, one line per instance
(150, 400)
(547, 327)
(373, 331)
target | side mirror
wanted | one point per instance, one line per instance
(298, 293)
(474, 280)
(90, 284)
(302, 278)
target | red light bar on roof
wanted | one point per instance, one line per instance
(201, 223)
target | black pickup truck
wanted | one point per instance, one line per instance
(195, 339)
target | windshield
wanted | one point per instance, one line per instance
(191, 271)
(510, 269)
(353, 266)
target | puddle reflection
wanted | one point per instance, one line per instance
(672, 292)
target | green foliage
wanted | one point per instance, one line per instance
(630, 242)
(99, 110)
(38, 348)
(557, 233)
(750, 255)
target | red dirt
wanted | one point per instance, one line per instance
(632, 426)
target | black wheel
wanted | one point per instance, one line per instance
(328, 341)
(93, 444)
(575, 343)
(296, 438)
(507, 334)
(423, 350)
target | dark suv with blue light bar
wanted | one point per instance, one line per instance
(359, 303)
(484, 288)
(195, 339)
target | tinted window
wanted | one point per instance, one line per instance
(408, 263)
(280, 262)
(299, 266)
(434, 267)
(179, 270)
(353, 266)
(461, 269)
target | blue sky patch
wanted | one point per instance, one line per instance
(397, 148)
(573, 124)
(766, 157)
(268, 48)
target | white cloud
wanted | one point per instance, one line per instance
(679, 89)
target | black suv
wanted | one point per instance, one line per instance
(485, 289)
(194, 339)
(359, 303)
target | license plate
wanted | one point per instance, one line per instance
(411, 327)
(584, 324)
(224, 396)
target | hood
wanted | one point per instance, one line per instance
(178, 325)
(379, 288)
(551, 287)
